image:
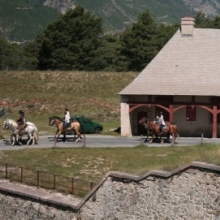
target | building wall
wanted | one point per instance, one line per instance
(202, 125)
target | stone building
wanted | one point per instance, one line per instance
(183, 81)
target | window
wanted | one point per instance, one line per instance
(190, 113)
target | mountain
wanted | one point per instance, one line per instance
(22, 20)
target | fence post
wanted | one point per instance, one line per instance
(84, 140)
(21, 174)
(202, 138)
(38, 179)
(91, 185)
(73, 187)
(54, 181)
(55, 141)
(6, 171)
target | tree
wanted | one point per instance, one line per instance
(201, 21)
(143, 41)
(72, 42)
(10, 56)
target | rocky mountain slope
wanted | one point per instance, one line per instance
(23, 19)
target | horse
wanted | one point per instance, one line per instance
(31, 130)
(169, 129)
(74, 126)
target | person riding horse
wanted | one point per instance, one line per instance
(161, 122)
(66, 118)
(21, 122)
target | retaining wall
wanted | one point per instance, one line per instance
(189, 192)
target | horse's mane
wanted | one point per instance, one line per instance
(56, 117)
(11, 121)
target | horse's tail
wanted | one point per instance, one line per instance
(82, 128)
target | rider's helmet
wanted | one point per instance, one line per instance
(21, 112)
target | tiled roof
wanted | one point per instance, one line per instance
(187, 65)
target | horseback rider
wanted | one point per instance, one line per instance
(161, 122)
(21, 122)
(66, 118)
(157, 118)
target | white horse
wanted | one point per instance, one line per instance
(31, 130)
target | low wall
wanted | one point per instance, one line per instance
(189, 192)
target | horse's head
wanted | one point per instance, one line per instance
(54, 120)
(51, 121)
(6, 125)
(143, 120)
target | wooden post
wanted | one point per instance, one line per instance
(214, 123)
(54, 181)
(38, 179)
(73, 187)
(21, 174)
(84, 140)
(6, 171)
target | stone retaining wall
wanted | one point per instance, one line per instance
(17, 208)
(189, 192)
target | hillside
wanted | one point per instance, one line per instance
(22, 20)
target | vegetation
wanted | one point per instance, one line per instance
(43, 94)
(75, 41)
(93, 163)
(22, 20)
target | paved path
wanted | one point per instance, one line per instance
(105, 141)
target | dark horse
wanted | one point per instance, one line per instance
(73, 126)
(169, 129)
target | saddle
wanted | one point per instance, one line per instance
(67, 125)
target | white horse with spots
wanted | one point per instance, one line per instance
(31, 130)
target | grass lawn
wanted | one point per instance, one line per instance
(93, 163)
(44, 94)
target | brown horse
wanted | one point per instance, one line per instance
(169, 129)
(74, 126)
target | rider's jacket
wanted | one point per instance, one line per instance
(67, 117)
(22, 120)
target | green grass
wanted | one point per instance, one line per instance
(93, 163)
(43, 94)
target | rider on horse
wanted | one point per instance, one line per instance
(21, 122)
(67, 118)
(161, 122)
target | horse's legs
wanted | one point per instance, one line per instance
(30, 138)
(57, 135)
(13, 139)
(161, 139)
(153, 136)
(17, 137)
(64, 137)
(78, 136)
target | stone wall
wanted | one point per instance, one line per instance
(189, 192)
(17, 208)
